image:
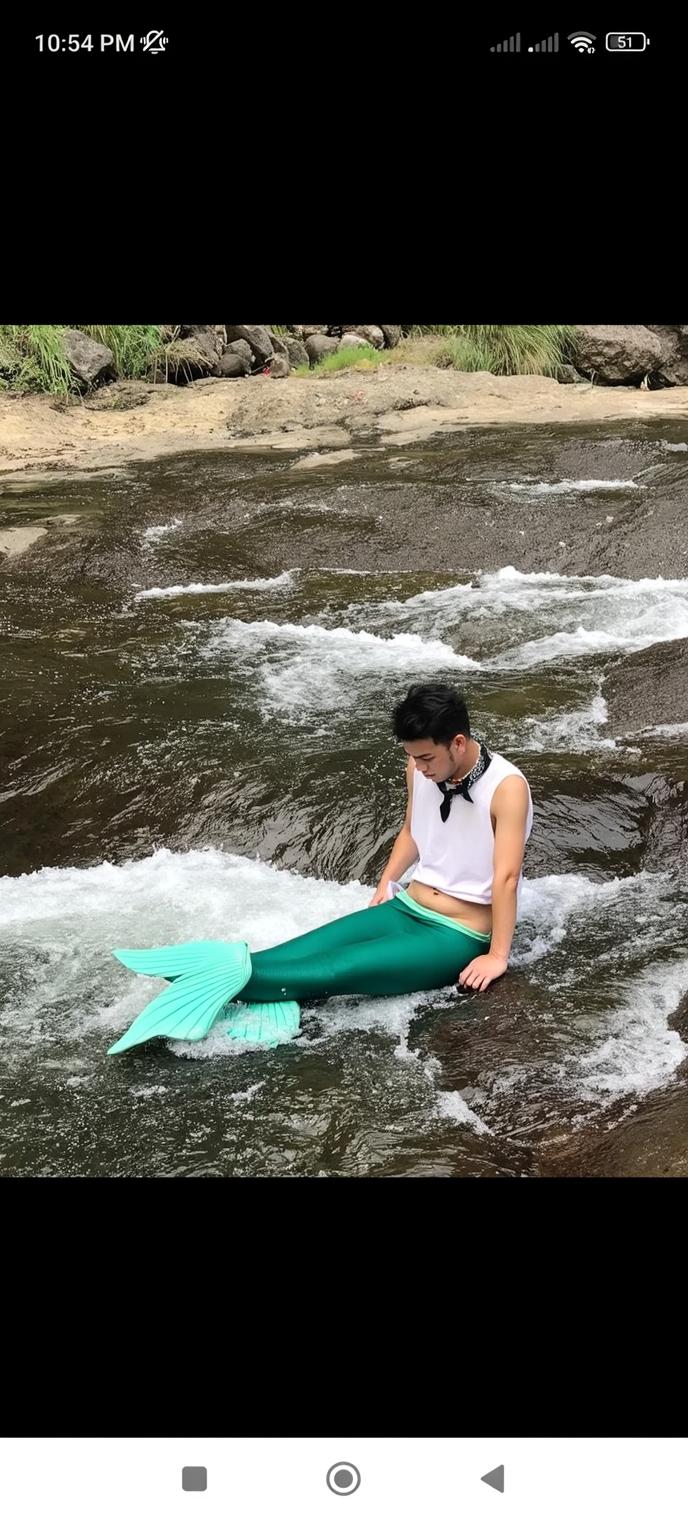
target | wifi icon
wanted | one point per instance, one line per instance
(582, 41)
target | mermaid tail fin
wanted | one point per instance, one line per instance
(188, 1008)
(263, 1023)
(176, 960)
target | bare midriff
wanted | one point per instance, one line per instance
(476, 916)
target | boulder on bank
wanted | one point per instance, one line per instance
(88, 360)
(297, 352)
(244, 351)
(353, 340)
(674, 369)
(372, 335)
(318, 347)
(297, 345)
(211, 338)
(232, 366)
(625, 355)
(258, 339)
(278, 343)
(378, 337)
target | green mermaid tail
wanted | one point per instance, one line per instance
(176, 960)
(207, 974)
(263, 1023)
(204, 976)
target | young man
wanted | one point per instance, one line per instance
(468, 817)
(469, 838)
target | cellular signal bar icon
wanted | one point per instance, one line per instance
(509, 45)
(548, 45)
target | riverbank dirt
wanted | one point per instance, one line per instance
(134, 421)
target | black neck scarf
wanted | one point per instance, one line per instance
(462, 788)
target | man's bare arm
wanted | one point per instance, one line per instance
(510, 808)
(404, 851)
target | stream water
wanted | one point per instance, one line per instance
(200, 666)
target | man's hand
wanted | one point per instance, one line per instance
(480, 972)
(380, 897)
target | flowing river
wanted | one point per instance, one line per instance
(200, 662)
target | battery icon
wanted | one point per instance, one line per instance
(627, 42)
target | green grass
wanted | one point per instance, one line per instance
(363, 357)
(359, 357)
(174, 357)
(133, 347)
(508, 350)
(33, 359)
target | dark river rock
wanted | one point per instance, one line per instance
(648, 687)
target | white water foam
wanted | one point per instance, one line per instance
(674, 448)
(154, 534)
(207, 588)
(576, 615)
(501, 591)
(247, 1094)
(509, 590)
(638, 1050)
(367, 649)
(451, 1105)
(306, 665)
(569, 618)
(549, 903)
(629, 1049)
(574, 732)
(341, 570)
(591, 584)
(628, 629)
(509, 573)
(564, 487)
(565, 646)
(671, 730)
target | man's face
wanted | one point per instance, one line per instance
(437, 761)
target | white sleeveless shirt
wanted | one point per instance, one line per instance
(457, 857)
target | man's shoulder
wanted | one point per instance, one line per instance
(510, 769)
(511, 793)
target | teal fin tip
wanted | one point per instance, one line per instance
(268, 1024)
(207, 975)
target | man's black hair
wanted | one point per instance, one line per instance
(431, 711)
